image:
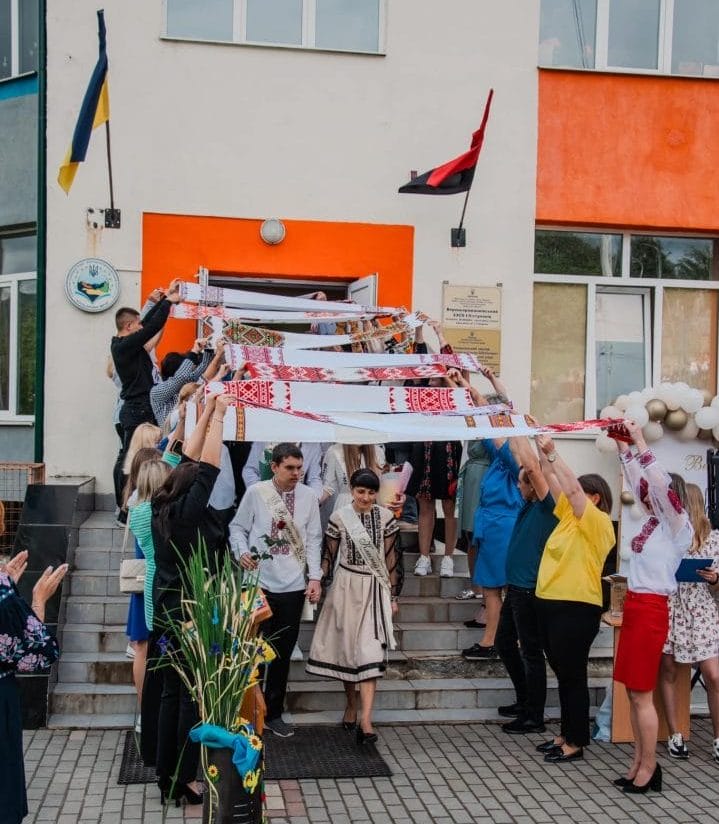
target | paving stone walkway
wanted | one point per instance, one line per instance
(442, 774)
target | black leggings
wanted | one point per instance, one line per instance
(177, 756)
(568, 629)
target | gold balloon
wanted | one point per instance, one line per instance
(657, 410)
(708, 397)
(627, 498)
(676, 420)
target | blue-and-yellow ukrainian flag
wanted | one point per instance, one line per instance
(94, 112)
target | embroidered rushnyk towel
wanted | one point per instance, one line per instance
(238, 356)
(193, 311)
(326, 397)
(265, 371)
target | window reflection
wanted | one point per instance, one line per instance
(208, 20)
(674, 258)
(28, 35)
(274, 21)
(26, 347)
(689, 350)
(347, 24)
(18, 253)
(4, 348)
(559, 330)
(577, 253)
(695, 42)
(5, 40)
(567, 30)
(634, 34)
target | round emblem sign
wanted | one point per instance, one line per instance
(92, 285)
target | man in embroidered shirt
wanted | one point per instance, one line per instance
(311, 472)
(288, 512)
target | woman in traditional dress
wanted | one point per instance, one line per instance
(354, 629)
(694, 628)
(26, 646)
(657, 550)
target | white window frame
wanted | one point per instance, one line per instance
(664, 45)
(10, 416)
(309, 10)
(651, 286)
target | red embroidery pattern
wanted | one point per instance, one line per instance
(268, 371)
(638, 541)
(674, 501)
(252, 335)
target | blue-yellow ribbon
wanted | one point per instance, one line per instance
(244, 755)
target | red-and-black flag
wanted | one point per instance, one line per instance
(457, 175)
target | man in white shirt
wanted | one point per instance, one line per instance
(288, 512)
(311, 474)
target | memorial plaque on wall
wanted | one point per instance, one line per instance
(472, 320)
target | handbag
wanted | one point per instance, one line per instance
(308, 611)
(132, 575)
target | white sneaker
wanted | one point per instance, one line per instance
(466, 595)
(676, 746)
(130, 652)
(446, 568)
(423, 565)
(296, 654)
(715, 749)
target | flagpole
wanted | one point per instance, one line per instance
(458, 236)
(112, 215)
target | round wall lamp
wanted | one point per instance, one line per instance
(272, 231)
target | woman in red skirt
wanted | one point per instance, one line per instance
(657, 550)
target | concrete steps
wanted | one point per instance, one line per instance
(426, 679)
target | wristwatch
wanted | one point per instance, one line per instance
(552, 457)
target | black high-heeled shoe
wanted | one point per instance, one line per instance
(164, 785)
(349, 725)
(365, 737)
(622, 781)
(654, 783)
(190, 796)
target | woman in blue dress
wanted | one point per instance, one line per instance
(26, 646)
(499, 505)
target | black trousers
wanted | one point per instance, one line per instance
(132, 414)
(519, 645)
(177, 756)
(568, 629)
(281, 630)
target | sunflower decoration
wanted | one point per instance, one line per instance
(265, 652)
(255, 742)
(213, 773)
(251, 780)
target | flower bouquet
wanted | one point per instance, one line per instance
(216, 652)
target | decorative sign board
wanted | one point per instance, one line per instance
(92, 285)
(472, 321)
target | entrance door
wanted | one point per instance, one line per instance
(364, 291)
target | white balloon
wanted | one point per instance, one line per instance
(653, 431)
(692, 400)
(669, 395)
(689, 431)
(636, 412)
(715, 433)
(622, 402)
(635, 397)
(612, 412)
(681, 386)
(606, 444)
(715, 402)
(707, 417)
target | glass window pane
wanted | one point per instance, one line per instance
(347, 24)
(18, 253)
(559, 332)
(695, 39)
(5, 39)
(29, 35)
(674, 258)
(621, 349)
(275, 21)
(634, 34)
(689, 349)
(4, 347)
(26, 347)
(567, 31)
(577, 253)
(209, 20)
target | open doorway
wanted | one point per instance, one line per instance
(362, 290)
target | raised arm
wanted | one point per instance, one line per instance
(193, 445)
(560, 476)
(527, 458)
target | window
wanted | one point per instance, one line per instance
(659, 36)
(17, 325)
(602, 330)
(18, 37)
(337, 25)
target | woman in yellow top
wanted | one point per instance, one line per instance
(569, 592)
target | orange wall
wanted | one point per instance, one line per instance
(630, 151)
(176, 245)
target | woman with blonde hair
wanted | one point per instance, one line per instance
(146, 434)
(694, 627)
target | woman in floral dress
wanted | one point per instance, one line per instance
(26, 646)
(694, 627)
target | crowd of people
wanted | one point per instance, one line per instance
(536, 535)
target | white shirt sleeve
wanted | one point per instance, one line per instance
(312, 455)
(241, 525)
(313, 544)
(251, 470)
